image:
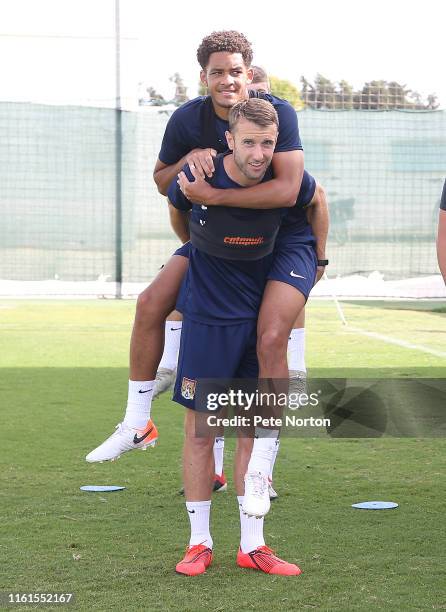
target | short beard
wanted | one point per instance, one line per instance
(244, 170)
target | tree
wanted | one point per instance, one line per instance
(417, 99)
(432, 102)
(285, 89)
(321, 95)
(326, 92)
(149, 96)
(344, 95)
(180, 96)
(374, 95)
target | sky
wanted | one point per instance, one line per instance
(64, 50)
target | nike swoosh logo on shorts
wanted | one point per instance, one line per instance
(292, 273)
(137, 440)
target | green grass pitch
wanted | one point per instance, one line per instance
(63, 385)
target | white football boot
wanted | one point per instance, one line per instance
(256, 500)
(124, 439)
(271, 491)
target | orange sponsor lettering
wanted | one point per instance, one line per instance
(244, 240)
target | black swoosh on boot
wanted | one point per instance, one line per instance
(137, 440)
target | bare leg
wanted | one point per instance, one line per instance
(299, 323)
(174, 316)
(198, 462)
(153, 305)
(281, 305)
(146, 349)
(241, 460)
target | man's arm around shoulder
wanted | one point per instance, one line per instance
(279, 192)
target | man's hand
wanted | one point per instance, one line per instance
(164, 174)
(203, 161)
(197, 191)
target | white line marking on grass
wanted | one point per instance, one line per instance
(390, 340)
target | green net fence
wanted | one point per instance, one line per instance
(382, 172)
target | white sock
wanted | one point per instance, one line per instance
(296, 350)
(251, 530)
(172, 337)
(219, 447)
(276, 450)
(263, 450)
(139, 403)
(199, 514)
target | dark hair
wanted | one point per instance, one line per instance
(226, 40)
(261, 112)
(259, 75)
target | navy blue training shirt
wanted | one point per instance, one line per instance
(294, 224)
(183, 130)
(219, 291)
(295, 227)
(225, 231)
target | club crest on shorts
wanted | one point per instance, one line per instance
(188, 388)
